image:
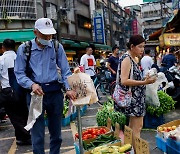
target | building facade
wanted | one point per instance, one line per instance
(155, 15)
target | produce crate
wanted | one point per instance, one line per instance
(66, 121)
(171, 150)
(73, 116)
(84, 108)
(161, 143)
(173, 144)
(172, 123)
(151, 121)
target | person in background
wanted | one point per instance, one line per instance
(113, 60)
(169, 60)
(16, 110)
(89, 63)
(136, 110)
(44, 81)
(146, 62)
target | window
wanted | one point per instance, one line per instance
(18, 9)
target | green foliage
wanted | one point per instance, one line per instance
(66, 107)
(108, 111)
(166, 104)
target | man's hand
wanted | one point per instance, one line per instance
(37, 89)
(71, 94)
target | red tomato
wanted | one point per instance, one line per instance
(77, 135)
(94, 133)
(93, 136)
(89, 130)
(84, 138)
(89, 135)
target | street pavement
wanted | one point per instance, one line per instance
(8, 144)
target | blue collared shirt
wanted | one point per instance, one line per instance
(43, 65)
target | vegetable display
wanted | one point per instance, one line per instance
(166, 104)
(112, 149)
(100, 140)
(66, 107)
(91, 133)
(108, 112)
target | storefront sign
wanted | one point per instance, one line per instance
(99, 29)
(171, 39)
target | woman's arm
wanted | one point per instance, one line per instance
(125, 71)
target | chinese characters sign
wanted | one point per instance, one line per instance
(171, 39)
(99, 29)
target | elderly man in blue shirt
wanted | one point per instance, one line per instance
(44, 81)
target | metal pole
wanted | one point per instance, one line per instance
(79, 129)
(59, 25)
(44, 8)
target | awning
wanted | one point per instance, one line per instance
(102, 46)
(65, 41)
(17, 35)
(70, 52)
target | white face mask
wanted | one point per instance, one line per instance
(44, 42)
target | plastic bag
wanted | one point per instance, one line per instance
(151, 89)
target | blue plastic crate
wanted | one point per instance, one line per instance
(84, 108)
(161, 143)
(171, 150)
(76, 145)
(151, 121)
(66, 121)
(73, 116)
(174, 144)
(46, 122)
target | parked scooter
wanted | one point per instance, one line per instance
(173, 76)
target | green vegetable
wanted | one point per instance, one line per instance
(66, 107)
(108, 112)
(166, 104)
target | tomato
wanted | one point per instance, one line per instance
(94, 133)
(98, 132)
(89, 136)
(85, 132)
(84, 138)
(94, 136)
(76, 135)
(90, 130)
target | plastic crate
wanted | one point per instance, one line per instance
(76, 145)
(171, 150)
(66, 121)
(161, 143)
(151, 121)
(73, 116)
(174, 144)
(46, 122)
(84, 108)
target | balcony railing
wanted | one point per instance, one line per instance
(18, 9)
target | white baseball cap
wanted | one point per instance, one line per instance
(45, 26)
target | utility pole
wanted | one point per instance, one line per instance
(44, 8)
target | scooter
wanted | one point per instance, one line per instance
(173, 77)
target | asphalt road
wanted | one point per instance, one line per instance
(8, 144)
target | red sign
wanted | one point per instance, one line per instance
(134, 27)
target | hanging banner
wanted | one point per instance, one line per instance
(99, 29)
(171, 39)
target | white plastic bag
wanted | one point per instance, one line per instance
(151, 89)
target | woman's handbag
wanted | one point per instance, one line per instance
(122, 98)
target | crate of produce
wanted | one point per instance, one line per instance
(161, 143)
(174, 144)
(66, 121)
(93, 132)
(73, 116)
(171, 150)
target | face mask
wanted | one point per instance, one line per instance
(44, 42)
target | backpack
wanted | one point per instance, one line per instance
(20, 92)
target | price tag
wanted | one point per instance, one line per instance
(127, 135)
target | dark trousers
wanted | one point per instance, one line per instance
(17, 113)
(53, 104)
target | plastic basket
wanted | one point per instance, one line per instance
(66, 121)
(151, 121)
(161, 143)
(73, 116)
(171, 150)
(174, 144)
(77, 148)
